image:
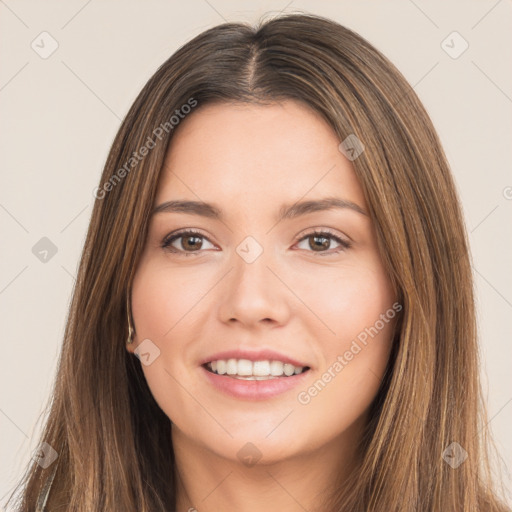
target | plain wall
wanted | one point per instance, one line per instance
(59, 115)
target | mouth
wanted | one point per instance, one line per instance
(244, 369)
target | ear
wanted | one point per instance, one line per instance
(133, 345)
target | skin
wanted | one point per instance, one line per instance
(296, 298)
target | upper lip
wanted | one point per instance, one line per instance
(251, 355)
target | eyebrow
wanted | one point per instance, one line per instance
(285, 212)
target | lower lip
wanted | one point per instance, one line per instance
(253, 389)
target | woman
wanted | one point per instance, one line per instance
(274, 306)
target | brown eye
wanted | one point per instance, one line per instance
(320, 241)
(191, 242)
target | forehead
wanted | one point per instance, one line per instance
(256, 155)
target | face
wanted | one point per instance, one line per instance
(308, 286)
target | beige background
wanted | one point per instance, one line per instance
(60, 114)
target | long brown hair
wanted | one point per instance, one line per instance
(112, 439)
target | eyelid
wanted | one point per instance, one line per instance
(321, 231)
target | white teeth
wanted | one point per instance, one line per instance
(257, 370)
(261, 368)
(253, 377)
(276, 368)
(244, 367)
(221, 366)
(231, 367)
(289, 369)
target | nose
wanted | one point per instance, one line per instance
(253, 294)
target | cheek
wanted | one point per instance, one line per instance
(357, 306)
(348, 301)
(164, 298)
(354, 363)
(166, 305)
(340, 396)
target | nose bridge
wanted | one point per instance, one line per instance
(252, 291)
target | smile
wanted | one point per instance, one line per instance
(254, 370)
(253, 380)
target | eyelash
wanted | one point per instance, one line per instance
(166, 243)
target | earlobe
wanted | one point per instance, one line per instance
(130, 347)
(130, 341)
(131, 331)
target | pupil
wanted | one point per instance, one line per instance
(325, 243)
(189, 238)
